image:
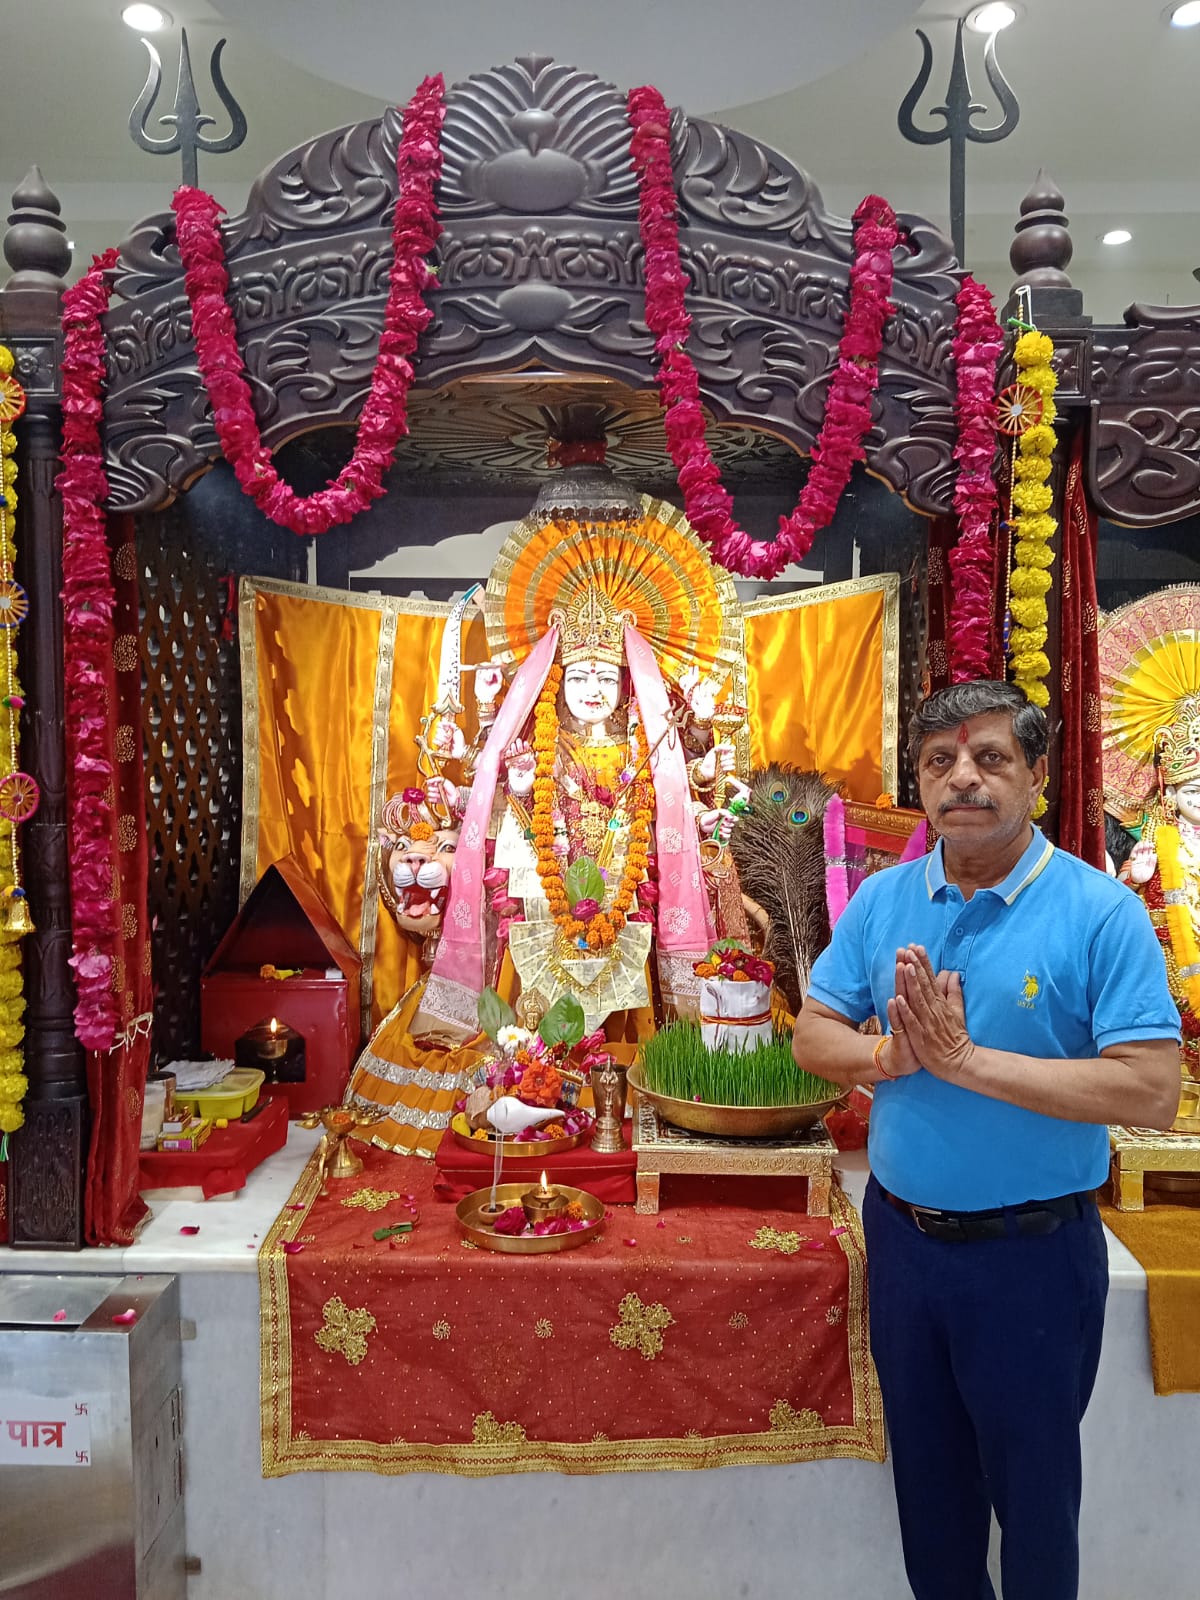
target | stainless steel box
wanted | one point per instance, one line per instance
(91, 1439)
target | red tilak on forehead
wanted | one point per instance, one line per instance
(963, 735)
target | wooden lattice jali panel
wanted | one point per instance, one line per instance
(192, 731)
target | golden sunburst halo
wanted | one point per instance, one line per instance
(1149, 655)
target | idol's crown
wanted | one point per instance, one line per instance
(591, 628)
(1177, 746)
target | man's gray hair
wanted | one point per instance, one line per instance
(959, 702)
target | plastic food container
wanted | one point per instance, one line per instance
(236, 1093)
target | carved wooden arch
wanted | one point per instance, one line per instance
(539, 266)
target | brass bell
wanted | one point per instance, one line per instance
(15, 916)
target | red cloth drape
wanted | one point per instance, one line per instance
(943, 531)
(113, 1209)
(943, 536)
(1081, 785)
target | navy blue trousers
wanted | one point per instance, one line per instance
(987, 1353)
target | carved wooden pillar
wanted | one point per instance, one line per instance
(1040, 253)
(47, 1154)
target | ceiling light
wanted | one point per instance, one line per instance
(1186, 15)
(992, 18)
(146, 19)
(1116, 236)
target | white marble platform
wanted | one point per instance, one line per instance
(817, 1531)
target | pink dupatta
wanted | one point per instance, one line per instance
(685, 929)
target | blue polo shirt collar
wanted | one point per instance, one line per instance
(1031, 865)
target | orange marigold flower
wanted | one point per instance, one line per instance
(420, 830)
(541, 1084)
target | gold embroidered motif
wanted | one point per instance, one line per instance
(468, 1244)
(640, 1327)
(486, 1430)
(785, 1241)
(599, 1438)
(786, 1419)
(739, 1319)
(543, 1329)
(834, 1315)
(441, 1329)
(345, 1331)
(371, 1199)
(684, 1238)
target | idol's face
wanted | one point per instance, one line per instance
(1187, 801)
(592, 691)
(976, 786)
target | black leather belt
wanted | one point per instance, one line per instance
(1031, 1219)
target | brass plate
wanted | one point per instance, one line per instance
(479, 1230)
(732, 1122)
(516, 1149)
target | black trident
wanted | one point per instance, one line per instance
(959, 113)
(186, 115)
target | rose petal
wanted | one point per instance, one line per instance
(59, 1316)
(191, 1227)
(292, 1247)
(630, 1242)
(126, 1316)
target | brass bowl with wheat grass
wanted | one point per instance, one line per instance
(751, 1094)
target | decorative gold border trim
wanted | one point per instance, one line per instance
(251, 768)
(385, 663)
(887, 584)
(283, 1453)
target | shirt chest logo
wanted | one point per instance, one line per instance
(1030, 989)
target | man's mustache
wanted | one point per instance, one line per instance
(979, 802)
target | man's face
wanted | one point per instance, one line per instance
(591, 690)
(975, 786)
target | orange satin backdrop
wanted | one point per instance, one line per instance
(822, 670)
(321, 670)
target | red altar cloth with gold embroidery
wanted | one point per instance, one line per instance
(730, 1329)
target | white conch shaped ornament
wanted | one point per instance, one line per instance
(510, 1115)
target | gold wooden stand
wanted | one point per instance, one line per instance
(1137, 1151)
(661, 1148)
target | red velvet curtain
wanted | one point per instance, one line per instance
(1081, 786)
(113, 1209)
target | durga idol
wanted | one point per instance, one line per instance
(583, 819)
(1164, 868)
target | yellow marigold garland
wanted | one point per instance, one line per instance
(1033, 528)
(1179, 919)
(13, 1082)
(602, 930)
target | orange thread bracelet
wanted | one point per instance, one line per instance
(878, 1051)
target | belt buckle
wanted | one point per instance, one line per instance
(934, 1225)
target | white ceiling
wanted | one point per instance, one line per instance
(1108, 93)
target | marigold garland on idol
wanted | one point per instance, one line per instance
(18, 791)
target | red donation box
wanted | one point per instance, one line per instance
(285, 924)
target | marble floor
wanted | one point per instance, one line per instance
(740, 1533)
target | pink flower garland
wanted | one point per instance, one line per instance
(847, 418)
(384, 420)
(88, 602)
(978, 342)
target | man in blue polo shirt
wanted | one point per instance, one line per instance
(1025, 1006)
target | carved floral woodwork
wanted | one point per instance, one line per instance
(539, 267)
